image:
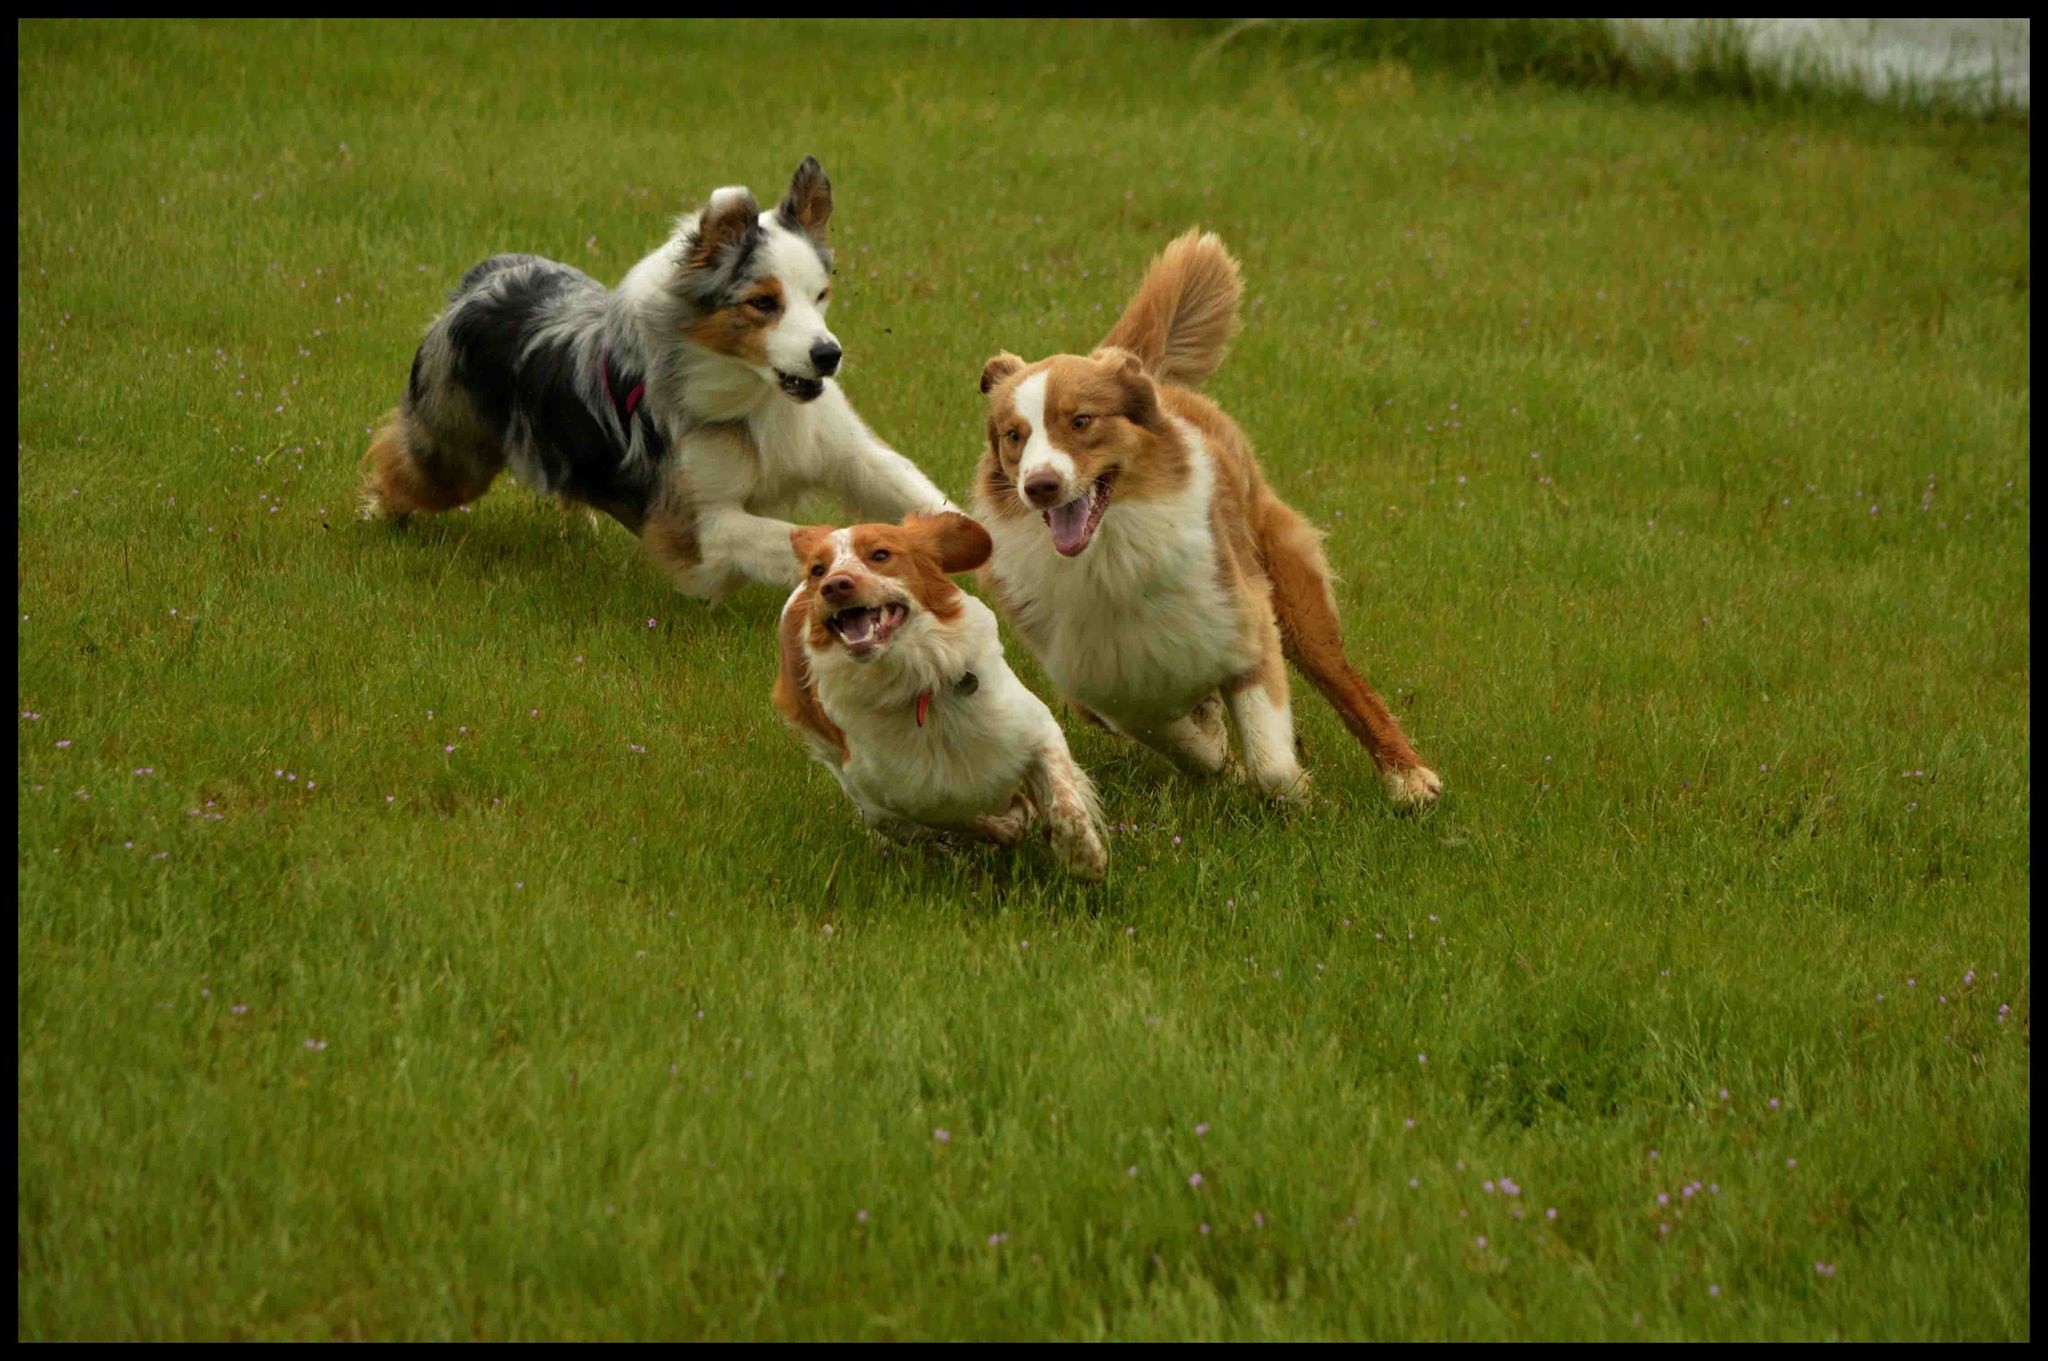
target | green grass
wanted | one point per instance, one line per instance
(1676, 461)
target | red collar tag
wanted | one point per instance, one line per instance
(924, 702)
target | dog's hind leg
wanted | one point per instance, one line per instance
(408, 468)
(1309, 628)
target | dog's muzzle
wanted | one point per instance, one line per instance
(800, 389)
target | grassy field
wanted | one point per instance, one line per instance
(433, 933)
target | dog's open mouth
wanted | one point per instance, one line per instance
(802, 389)
(865, 628)
(1073, 525)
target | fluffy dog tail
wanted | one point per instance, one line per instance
(1180, 321)
(1313, 639)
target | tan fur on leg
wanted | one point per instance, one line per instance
(1309, 627)
(396, 485)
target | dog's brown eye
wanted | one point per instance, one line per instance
(765, 305)
(879, 555)
(1082, 422)
(823, 296)
(817, 569)
(1012, 436)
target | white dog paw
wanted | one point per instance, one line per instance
(1414, 788)
(1286, 785)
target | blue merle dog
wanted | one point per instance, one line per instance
(694, 403)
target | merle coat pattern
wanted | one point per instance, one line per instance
(693, 404)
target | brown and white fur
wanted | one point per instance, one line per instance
(895, 679)
(694, 403)
(1145, 561)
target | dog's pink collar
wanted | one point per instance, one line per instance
(604, 364)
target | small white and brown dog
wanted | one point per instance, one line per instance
(1142, 556)
(895, 679)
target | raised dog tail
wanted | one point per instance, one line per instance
(1313, 638)
(1180, 321)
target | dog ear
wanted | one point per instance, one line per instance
(958, 541)
(728, 217)
(1141, 399)
(999, 368)
(805, 540)
(808, 205)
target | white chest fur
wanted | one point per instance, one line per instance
(1139, 627)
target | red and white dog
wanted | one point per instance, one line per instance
(895, 679)
(1142, 556)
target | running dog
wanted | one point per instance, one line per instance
(895, 679)
(692, 404)
(1143, 558)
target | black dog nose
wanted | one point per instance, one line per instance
(838, 587)
(825, 358)
(1042, 489)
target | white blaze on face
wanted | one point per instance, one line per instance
(843, 558)
(791, 261)
(1039, 455)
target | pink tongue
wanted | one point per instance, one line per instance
(1070, 525)
(857, 627)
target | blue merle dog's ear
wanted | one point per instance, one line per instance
(808, 205)
(728, 217)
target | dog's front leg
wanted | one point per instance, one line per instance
(699, 528)
(708, 552)
(1197, 741)
(1066, 796)
(873, 479)
(752, 546)
(1008, 827)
